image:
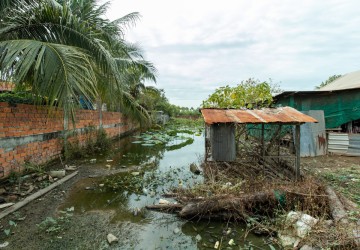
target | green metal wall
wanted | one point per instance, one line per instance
(339, 107)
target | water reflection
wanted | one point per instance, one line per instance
(154, 170)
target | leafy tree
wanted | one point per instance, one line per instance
(250, 93)
(329, 80)
(65, 50)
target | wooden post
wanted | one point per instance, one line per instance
(297, 150)
(206, 143)
(263, 146)
(66, 128)
(278, 142)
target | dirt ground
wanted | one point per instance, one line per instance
(21, 229)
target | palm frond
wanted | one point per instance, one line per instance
(57, 73)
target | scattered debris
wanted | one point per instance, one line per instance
(70, 168)
(35, 196)
(297, 226)
(57, 173)
(198, 237)
(194, 168)
(164, 202)
(31, 188)
(111, 238)
(136, 211)
(41, 178)
(5, 244)
(231, 242)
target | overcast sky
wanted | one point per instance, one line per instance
(200, 45)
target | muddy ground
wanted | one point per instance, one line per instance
(89, 230)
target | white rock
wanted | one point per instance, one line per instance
(231, 242)
(216, 246)
(292, 217)
(70, 168)
(111, 238)
(101, 185)
(176, 230)
(163, 201)
(309, 220)
(287, 240)
(5, 244)
(198, 237)
(302, 229)
(57, 173)
(135, 173)
(307, 247)
(109, 160)
(92, 160)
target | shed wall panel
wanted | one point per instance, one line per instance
(338, 143)
(313, 135)
(354, 145)
(223, 142)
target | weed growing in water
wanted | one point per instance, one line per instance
(96, 141)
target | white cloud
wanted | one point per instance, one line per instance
(200, 45)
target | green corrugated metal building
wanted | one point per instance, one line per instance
(340, 100)
(340, 107)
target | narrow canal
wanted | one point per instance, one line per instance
(147, 168)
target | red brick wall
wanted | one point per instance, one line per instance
(30, 133)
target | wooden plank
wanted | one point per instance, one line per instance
(6, 205)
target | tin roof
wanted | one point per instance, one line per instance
(286, 115)
(347, 81)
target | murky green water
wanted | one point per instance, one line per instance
(154, 170)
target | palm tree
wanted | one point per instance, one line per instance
(64, 49)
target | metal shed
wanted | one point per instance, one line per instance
(220, 129)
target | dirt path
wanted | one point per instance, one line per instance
(341, 172)
(70, 231)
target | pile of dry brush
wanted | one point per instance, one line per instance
(239, 192)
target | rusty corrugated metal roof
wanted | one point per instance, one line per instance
(286, 115)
